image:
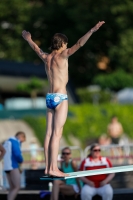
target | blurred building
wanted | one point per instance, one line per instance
(125, 96)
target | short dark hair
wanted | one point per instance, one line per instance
(93, 146)
(113, 116)
(66, 148)
(20, 133)
(57, 40)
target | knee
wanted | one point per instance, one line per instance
(17, 187)
(56, 182)
(57, 133)
(48, 134)
(108, 192)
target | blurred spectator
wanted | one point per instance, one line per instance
(115, 130)
(98, 184)
(104, 140)
(70, 186)
(12, 159)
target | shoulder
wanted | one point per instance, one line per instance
(64, 54)
(14, 142)
(84, 161)
(107, 161)
(73, 162)
(46, 57)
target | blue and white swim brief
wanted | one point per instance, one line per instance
(54, 99)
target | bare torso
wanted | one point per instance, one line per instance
(57, 72)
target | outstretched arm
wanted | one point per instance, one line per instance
(68, 52)
(27, 36)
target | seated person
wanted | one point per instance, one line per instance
(96, 184)
(104, 140)
(69, 186)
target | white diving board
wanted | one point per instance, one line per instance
(91, 172)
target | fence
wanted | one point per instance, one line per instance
(35, 159)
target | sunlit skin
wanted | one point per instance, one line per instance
(56, 66)
(115, 128)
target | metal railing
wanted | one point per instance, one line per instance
(37, 161)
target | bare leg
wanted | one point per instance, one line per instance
(59, 121)
(56, 189)
(67, 189)
(14, 183)
(60, 186)
(49, 121)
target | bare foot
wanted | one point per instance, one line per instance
(46, 172)
(57, 173)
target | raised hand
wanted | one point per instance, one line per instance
(26, 35)
(97, 26)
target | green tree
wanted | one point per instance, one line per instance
(116, 80)
(74, 18)
(13, 17)
(33, 87)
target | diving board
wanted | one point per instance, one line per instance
(91, 172)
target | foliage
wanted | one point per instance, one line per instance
(13, 15)
(43, 18)
(88, 121)
(34, 84)
(116, 81)
(33, 87)
(39, 125)
(86, 96)
(74, 18)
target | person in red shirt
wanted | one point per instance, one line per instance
(96, 184)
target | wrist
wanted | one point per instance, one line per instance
(89, 182)
(104, 182)
(29, 40)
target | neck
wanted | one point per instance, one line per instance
(95, 158)
(57, 51)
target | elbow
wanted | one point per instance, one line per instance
(19, 159)
(79, 44)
